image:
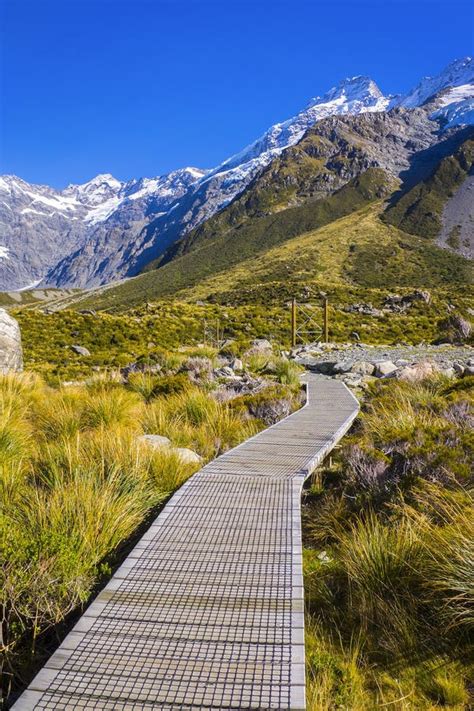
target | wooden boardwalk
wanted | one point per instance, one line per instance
(207, 610)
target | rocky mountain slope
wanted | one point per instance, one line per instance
(40, 226)
(107, 230)
(442, 205)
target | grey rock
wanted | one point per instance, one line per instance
(343, 366)
(261, 345)
(468, 370)
(418, 371)
(237, 364)
(384, 368)
(351, 379)
(11, 354)
(224, 372)
(80, 350)
(363, 367)
(458, 367)
(325, 367)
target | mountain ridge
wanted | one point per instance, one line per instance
(107, 229)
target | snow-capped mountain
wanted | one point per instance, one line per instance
(106, 229)
(456, 74)
(40, 226)
(350, 96)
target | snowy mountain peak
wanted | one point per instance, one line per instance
(95, 191)
(457, 73)
(359, 88)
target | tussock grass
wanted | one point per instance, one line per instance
(391, 557)
(76, 483)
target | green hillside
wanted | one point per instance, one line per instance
(358, 250)
(419, 211)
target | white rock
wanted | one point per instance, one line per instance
(155, 441)
(11, 355)
(187, 456)
(418, 371)
(80, 350)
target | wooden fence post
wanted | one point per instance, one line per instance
(293, 323)
(326, 319)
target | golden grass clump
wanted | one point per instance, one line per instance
(77, 483)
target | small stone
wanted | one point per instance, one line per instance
(155, 441)
(458, 368)
(468, 370)
(385, 368)
(355, 336)
(186, 455)
(323, 557)
(262, 344)
(237, 364)
(80, 350)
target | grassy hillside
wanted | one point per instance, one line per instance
(419, 211)
(353, 254)
(357, 250)
(33, 297)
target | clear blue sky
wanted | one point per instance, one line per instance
(141, 87)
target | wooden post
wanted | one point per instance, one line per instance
(326, 319)
(293, 323)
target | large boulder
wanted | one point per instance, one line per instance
(363, 367)
(418, 371)
(11, 354)
(384, 368)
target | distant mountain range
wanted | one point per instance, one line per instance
(105, 230)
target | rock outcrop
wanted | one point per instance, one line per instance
(11, 354)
